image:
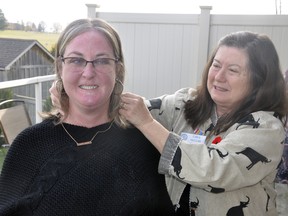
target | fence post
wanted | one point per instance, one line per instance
(203, 45)
(91, 10)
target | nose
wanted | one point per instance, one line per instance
(89, 70)
(221, 75)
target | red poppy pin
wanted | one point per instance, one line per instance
(217, 140)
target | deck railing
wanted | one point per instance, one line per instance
(37, 81)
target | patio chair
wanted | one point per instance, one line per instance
(14, 118)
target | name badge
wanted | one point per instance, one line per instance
(193, 138)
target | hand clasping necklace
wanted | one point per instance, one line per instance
(86, 142)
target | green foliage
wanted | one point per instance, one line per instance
(2, 139)
(47, 105)
(53, 50)
(5, 94)
(3, 152)
(3, 20)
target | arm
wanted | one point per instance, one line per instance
(136, 112)
(14, 179)
(155, 133)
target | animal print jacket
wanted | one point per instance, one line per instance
(232, 173)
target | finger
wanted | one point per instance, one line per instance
(132, 100)
(122, 106)
(129, 95)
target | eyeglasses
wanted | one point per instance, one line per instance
(78, 64)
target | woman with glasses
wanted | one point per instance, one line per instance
(84, 161)
(221, 143)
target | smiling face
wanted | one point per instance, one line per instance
(89, 89)
(228, 78)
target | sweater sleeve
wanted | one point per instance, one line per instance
(243, 156)
(25, 157)
(14, 179)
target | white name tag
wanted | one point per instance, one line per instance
(193, 138)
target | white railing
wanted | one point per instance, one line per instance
(37, 81)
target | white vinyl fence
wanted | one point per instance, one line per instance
(165, 52)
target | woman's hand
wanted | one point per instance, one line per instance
(134, 109)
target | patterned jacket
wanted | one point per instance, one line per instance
(232, 173)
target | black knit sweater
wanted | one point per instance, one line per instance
(45, 173)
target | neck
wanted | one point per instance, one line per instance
(220, 111)
(87, 120)
(87, 116)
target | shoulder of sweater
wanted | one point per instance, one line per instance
(267, 116)
(182, 95)
(185, 93)
(33, 134)
(45, 123)
(38, 127)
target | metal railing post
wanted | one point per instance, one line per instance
(38, 101)
(37, 81)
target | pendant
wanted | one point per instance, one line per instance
(84, 143)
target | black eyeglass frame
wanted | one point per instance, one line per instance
(86, 62)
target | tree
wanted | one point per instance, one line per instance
(3, 21)
(41, 26)
(57, 27)
(34, 27)
(22, 25)
(28, 26)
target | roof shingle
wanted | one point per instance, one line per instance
(11, 49)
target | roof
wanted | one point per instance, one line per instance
(12, 49)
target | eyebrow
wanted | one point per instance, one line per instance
(75, 52)
(228, 65)
(81, 55)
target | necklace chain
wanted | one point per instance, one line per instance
(90, 141)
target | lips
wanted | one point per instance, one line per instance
(220, 89)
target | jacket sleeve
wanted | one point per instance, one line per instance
(244, 156)
(166, 108)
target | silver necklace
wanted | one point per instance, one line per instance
(90, 141)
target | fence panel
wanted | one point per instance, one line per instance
(165, 52)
